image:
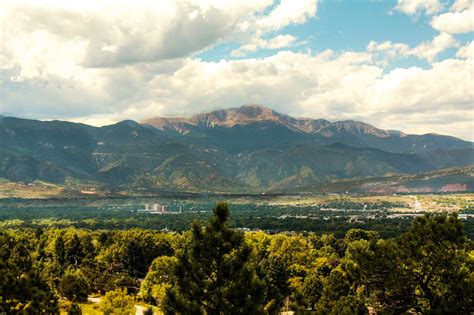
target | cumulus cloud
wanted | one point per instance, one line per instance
(113, 33)
(328, 85)
(412, 7)
(459, 20)
(460, 5)
(466, 51)
(429, 50)
(288, 12)
(277, 42)
(425, 50)
(285, 13)
(75, 62)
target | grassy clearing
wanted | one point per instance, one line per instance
(87, 308)
(93, 308)
(37, 189)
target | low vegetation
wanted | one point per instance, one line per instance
(212, 269)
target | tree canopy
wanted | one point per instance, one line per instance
(214, 269)
(213, 274)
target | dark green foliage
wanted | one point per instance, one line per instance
(158, 278)
(358, 234)
(348, 305)
(435, 255)
(148, 311)
(277, 286)
(312, 289)
(117, 302)
(133, 251)
(213, 274)
(22, 290)
(427, 269)
(89, 214)
(216, 270)
(378, 267)
(74, 309)
(74, 286)
(263, 155)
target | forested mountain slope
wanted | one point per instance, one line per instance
(246, 149)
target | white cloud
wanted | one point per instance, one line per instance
(446, 85)
(466, 51)
(429, 50)
(114, 33)
(76, 62)
(460, 5)
(388, 49)
(426, 50)
(412, 7)
(329, 85)
(288, 12)
(277, 42)
(438, 99)
(461, 20)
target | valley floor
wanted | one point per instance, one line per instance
(390, 215)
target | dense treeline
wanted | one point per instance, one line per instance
(212, 269)
(268, 218)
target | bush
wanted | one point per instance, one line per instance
(74, 286)
(74, 309)
(117, 302)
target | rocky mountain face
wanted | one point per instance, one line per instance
(246, 149)
(254, 127)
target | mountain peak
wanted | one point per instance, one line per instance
(254, 113)
(238, 116)
(128, 122)
(252, 107)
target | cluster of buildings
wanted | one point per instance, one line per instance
(156, 208)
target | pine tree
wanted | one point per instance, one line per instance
(213, 274)
(435, 251)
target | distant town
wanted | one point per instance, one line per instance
(157, 208)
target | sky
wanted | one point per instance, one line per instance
(404, 65)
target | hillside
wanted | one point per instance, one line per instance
(459, 179)
(248, 149)
(252, 127)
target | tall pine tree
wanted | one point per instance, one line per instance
(213, 274)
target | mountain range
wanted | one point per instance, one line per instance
(249, 149)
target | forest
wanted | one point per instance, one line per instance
(212, 268)
(388, 215)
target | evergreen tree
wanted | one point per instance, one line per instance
(213, 274)
(435, 252)
(277, 286)
(74, 286)
(378, 268)
(73, 250)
